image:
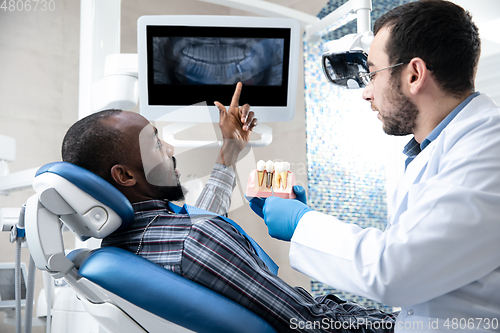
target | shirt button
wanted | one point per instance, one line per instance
(410, 312)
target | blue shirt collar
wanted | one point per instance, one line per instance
(412, 148)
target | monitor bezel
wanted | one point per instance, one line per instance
(198, 112)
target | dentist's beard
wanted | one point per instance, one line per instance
(402, 119)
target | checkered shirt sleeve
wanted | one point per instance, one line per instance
(216, 195)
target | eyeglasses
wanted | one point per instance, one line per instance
(368, 77)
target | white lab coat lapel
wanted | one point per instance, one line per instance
(412, 175)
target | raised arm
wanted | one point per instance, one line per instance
(236, 125)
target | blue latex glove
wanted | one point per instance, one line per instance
(282, 216)
(258, 203)
(300, 192)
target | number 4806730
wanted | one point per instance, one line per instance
(28, 5)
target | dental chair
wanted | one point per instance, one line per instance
(122, 291)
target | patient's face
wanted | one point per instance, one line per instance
(159, 164)
(151, 158)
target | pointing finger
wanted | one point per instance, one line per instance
(236, 97)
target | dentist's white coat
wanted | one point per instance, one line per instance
(439, 258)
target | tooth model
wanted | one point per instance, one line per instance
(261, 165)
(284, 173)
(269, 174)
(278, 167)
(282, 169)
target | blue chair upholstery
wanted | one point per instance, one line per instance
(145, 284)
(168, 295)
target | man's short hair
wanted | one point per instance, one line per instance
(94, 145)
(439, 32)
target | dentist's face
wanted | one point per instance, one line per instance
(396, 111)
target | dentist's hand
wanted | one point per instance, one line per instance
(282, 216)
(300, 192)
(258, 203)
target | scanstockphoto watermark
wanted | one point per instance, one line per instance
(156, 166)
(330, 324)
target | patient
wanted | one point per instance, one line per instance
(124, 149)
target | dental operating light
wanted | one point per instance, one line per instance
(344, 60)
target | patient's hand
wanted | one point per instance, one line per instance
(236, 125)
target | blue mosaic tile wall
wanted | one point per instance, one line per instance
(345, 142)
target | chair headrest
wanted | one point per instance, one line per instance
(93, 185)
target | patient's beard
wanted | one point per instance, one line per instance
(167, 183)
(172, 193)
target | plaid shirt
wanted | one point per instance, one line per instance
(214, 254)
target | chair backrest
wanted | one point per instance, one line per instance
(91, 207)
(98, 207)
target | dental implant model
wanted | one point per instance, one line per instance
(261, 165)
(269, 173)
(271, 179)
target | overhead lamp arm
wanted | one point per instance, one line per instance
(362, 8)
(311, 23)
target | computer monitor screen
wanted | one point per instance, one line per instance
(185, 60)
(7, 285)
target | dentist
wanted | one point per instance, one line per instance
(439, 257)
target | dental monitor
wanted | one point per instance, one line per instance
(187, 61)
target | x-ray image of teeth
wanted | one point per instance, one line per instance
(218, 61)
